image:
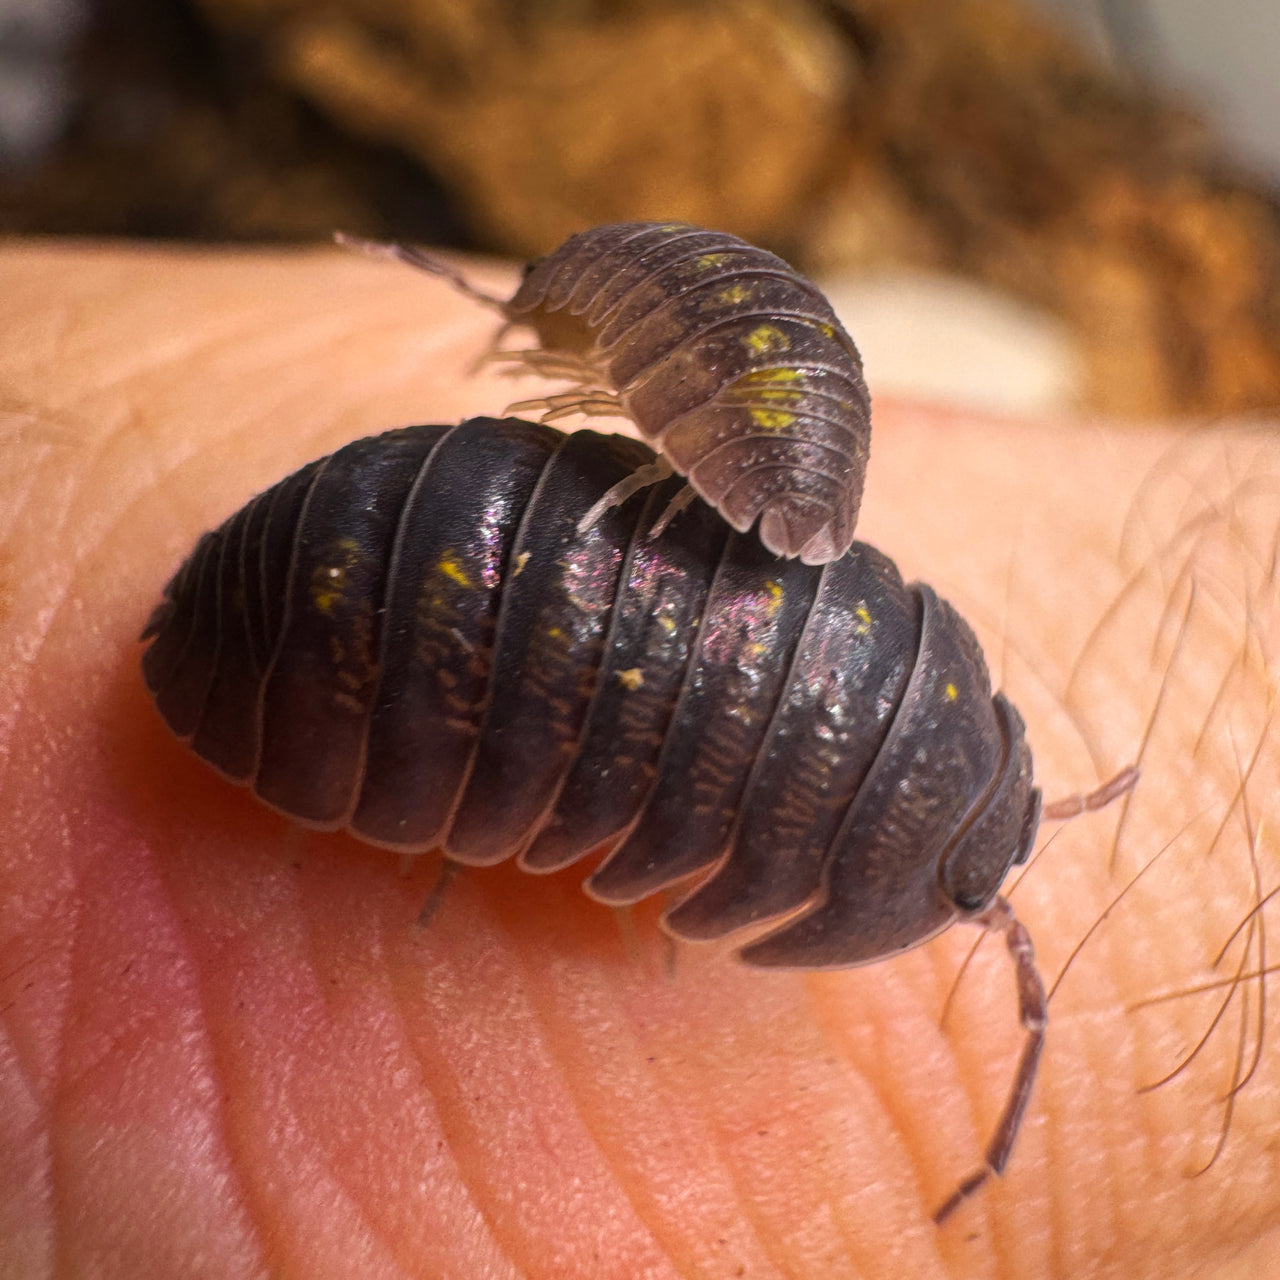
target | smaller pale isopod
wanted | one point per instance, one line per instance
(416, 640)
(731, 364)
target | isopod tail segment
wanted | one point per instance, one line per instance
(729, 363)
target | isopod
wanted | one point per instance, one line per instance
(415, 639)
(731, 364)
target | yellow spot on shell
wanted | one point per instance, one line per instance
(952, 692)
(863, 615)
(772, 419)
(450, 567)
(632, 678)
(778, 373)
(766, 339)
(732, 294)
(774, 588)
(328, 583)
(521, 560)
(827, 330)
(710, 261)
(329, 580)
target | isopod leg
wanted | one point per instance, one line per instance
(630, 935)
(444, 878)
(670, 958)
(1033, 1013)
(674, 508)
(590, 402)
(641, 478)
(545, 364)
(1112, 789)
(493, 353)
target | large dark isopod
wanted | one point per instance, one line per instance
(731, 364)
(414, 640)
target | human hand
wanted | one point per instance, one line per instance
(228, 1052)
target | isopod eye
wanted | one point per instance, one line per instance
(972, 904)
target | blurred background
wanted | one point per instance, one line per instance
(1016, 204)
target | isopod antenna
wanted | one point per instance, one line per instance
(414, 257)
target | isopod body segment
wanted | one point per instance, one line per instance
(414, 639)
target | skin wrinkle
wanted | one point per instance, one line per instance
(61, 1236)
(910, 1149)
(50, 591)
(245, 330)
(735, 1175)
(360, 1206)
(228, 1071)
(85, 569)
(16, 495)
(470, 1181)
(397, 1009)
(14, 1019)
(38, 1133)
(216, 1090)
(1106, 1176)
(831, 1201)
(504, 1226)
(163, 365)
(661, 1233)
(24, 1157)
(597, 1128)
(840, 1044)
(255, 1208)
(322, 1155)
(1160, 1219)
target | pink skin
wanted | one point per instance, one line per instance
(226, 1051)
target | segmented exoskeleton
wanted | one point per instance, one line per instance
(731, 364)
(417, 639)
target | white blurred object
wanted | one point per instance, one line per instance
(948, 340)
